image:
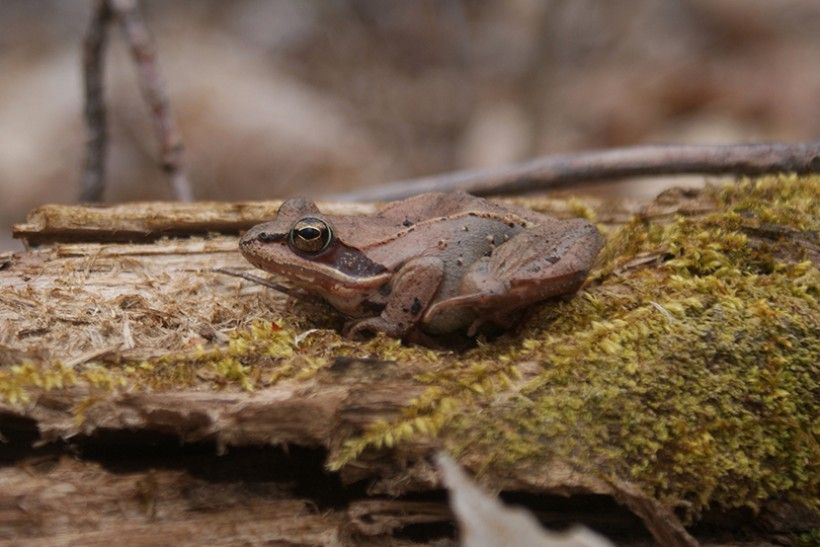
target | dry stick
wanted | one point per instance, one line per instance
(258, 280)
(93, 181)
(153, 91)
(561, 170)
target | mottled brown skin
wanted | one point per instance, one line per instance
(438, 263)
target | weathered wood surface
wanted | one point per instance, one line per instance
(97, 306)
(63, 501)
(149, 221)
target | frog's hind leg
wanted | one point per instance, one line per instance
(543, 261)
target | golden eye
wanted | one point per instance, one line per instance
(310, 235)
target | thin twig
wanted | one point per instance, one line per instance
(562, 170)
(153, 91)
(93, 181)
(259, 281)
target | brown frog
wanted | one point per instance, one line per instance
(437, 263)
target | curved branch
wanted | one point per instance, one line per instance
(566, 169)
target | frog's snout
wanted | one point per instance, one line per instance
(249, 237)
(258, 234)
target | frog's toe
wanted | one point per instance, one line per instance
(371, 325)
(355, 328)
(474, 327)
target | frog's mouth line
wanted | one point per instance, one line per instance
(330, 271)
(324, 275)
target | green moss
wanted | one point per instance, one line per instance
(257, 357)
(697, 379)
(16, 382)
(580, 209)
(786, 200)
(688, 365)
(807, 539)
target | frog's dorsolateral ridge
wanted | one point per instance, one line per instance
(436, 264)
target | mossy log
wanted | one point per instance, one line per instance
(169, 400)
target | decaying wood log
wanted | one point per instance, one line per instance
(170, 401)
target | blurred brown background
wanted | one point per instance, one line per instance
(286, 96)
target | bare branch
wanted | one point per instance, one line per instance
(567, 169)
(153, 91)
(258, 280)
(93, 181)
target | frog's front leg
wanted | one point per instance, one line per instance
(412, 289)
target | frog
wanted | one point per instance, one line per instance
(432, 265)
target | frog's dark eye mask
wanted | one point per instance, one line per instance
(310, 235)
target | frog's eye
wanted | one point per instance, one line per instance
(310, 235)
